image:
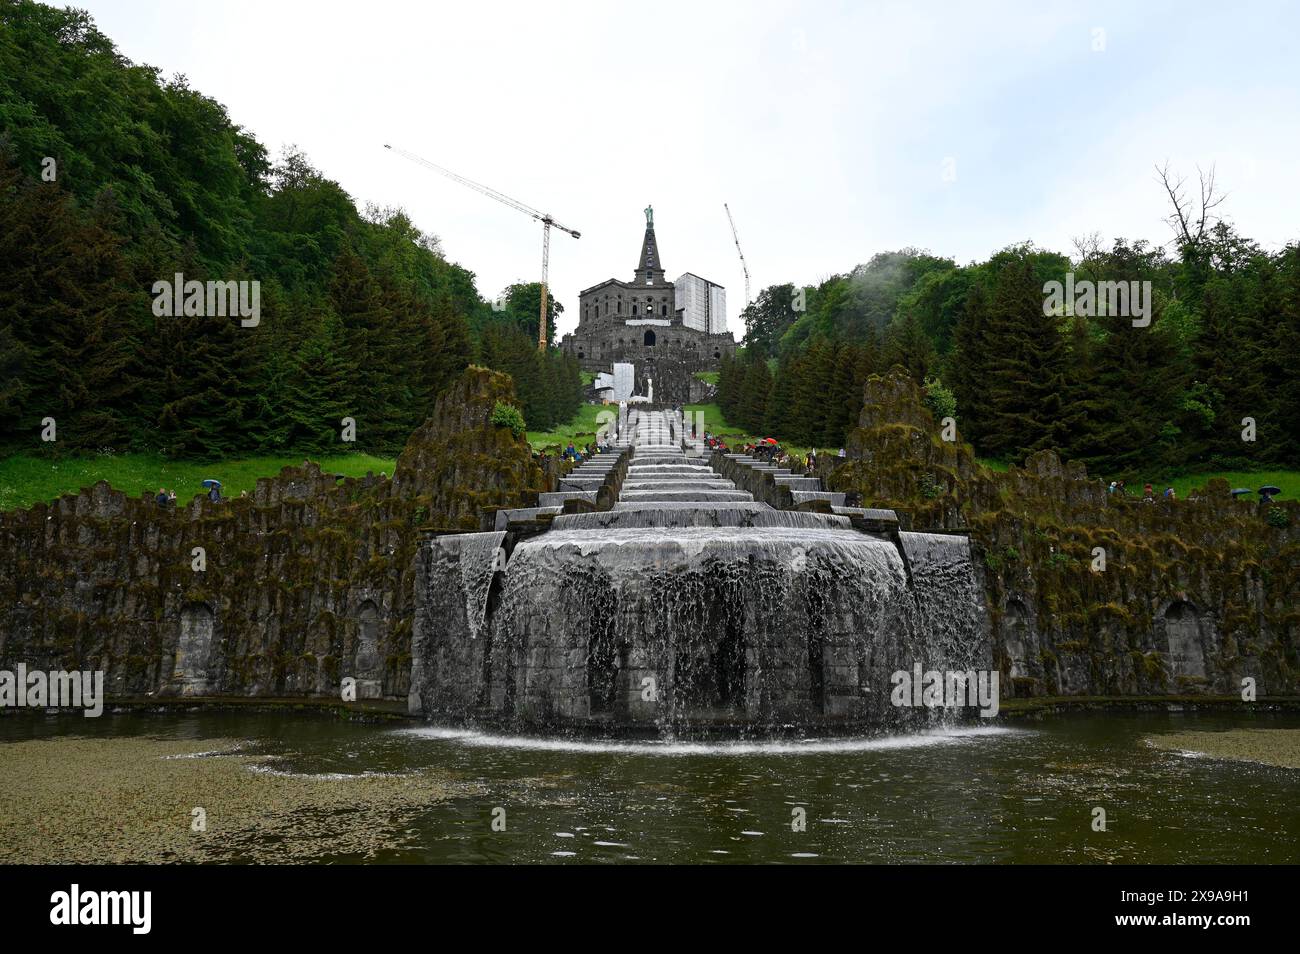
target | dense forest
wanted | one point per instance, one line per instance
(113, 178)
(362, 315)
(1020, 373)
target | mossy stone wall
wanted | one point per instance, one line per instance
(100, 580)
(1195, 595)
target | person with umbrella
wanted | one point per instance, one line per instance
(214, 489)
(1266, 494)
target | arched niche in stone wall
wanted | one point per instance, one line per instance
(649, 338)
(710, 675)
(194, 648)
(1018, 637)
(368, 668)
(1185, 639)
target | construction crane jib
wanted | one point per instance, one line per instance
(743, 266)
(546, 220)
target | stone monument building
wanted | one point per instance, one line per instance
(666, 330)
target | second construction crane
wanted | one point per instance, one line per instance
(743, 266)
(546, 220)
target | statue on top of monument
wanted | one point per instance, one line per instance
(649, 216)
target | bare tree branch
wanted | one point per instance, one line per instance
(1088, 248)
(1190, 226)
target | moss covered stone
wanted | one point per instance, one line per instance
(1196, 595)
(297, 572)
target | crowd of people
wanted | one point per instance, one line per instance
(1116, 488)
(769, 450)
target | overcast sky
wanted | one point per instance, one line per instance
(833, 130)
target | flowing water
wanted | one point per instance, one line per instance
(749, 619)
(689, 606)
(980, 793)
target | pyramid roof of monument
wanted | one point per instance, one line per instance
(649, 252)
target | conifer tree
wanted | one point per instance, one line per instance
(315, 394)
(1027, 357)
(780, 405)
(907, 345)
(65, 301)
(968, 367)
(845, 402)
(1131, 412)
(756, 383)
(812, 377)
(1284, 357)
(1085, 395)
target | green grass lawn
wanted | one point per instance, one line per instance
(27, 480)
(580, 430)
(709, 377)
(1288, 480)
(1183, 484)
(715, 423)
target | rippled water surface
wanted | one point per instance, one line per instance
(1020, 792)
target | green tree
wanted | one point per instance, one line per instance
(315, 394)
(65, 305)
(1027, 362)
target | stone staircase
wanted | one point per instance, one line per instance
(802, 489)
(669, 470)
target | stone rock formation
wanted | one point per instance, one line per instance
(1195, 595)
(307, 580)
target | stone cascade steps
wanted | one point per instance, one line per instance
(518, 514)
(581, 483)
(685, 496)
(800, 483)
(670, 470)
(660, 474)
(803, 489)
(666, 469)
(557, 498)
(630, 485)
(805, 496)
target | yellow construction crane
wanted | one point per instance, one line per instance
(546, 220)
